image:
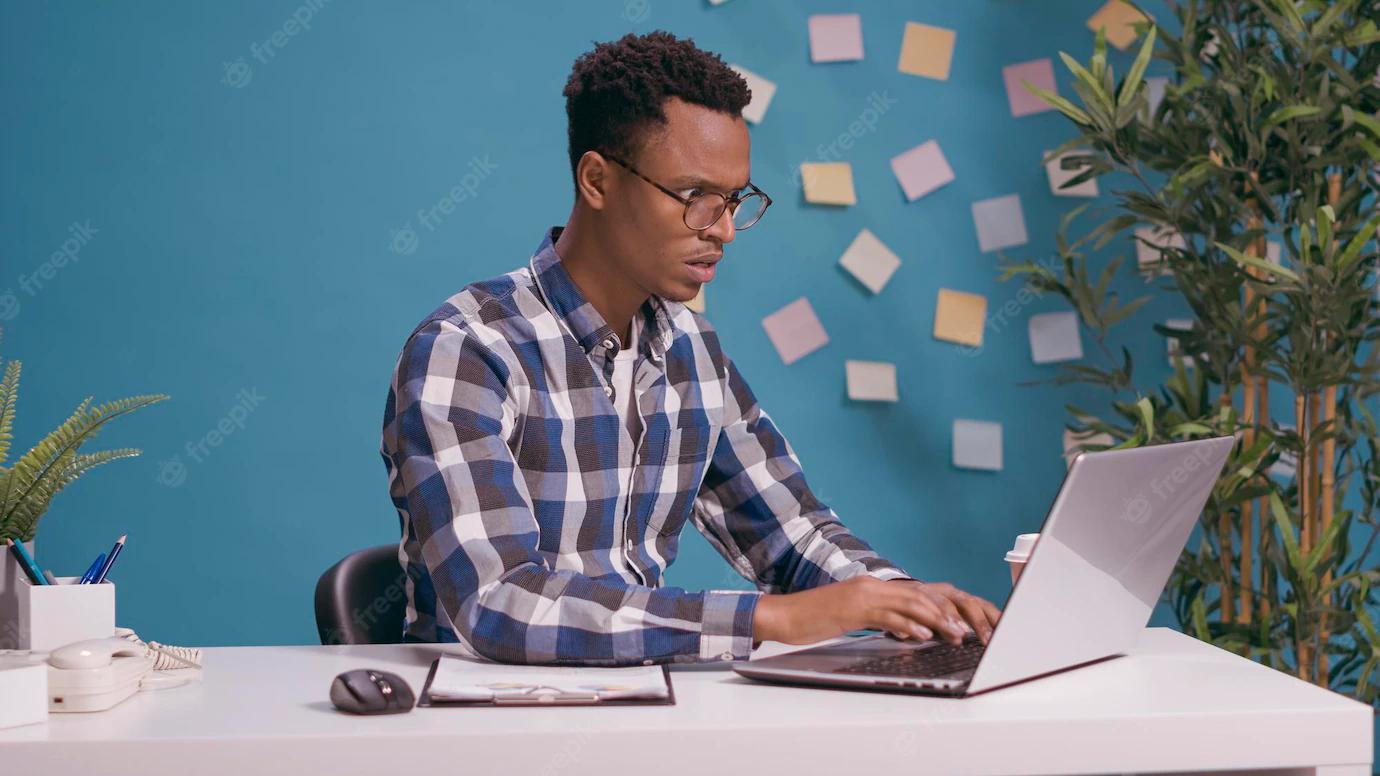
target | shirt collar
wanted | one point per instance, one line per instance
(569, 304)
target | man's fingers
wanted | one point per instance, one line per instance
(929, 610)
(900, 623)
(977, 616)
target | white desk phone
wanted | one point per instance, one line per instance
(96, 674)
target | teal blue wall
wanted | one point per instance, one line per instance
(243, 243)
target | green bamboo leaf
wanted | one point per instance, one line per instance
(1093, 85)
(1064, 106)
(1352, 252)
(1366, 121)
(1290, 13)
(1292, 112)
(1133, 78)
(1286, 530)
(1261, 264)
(1323, 546)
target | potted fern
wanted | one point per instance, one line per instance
(1266, 134)
(27, 487)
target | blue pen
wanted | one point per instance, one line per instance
(91, 572)
(110, 559)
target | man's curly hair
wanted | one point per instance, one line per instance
(615, 95)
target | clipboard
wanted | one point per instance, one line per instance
(541, 699)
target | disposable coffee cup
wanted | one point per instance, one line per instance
(1019, 554)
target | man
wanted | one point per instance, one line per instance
(549, 432)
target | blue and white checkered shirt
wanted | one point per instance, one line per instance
(506, 461)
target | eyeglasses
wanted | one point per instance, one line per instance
(703, 210)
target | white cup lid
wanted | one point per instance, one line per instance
(1020, 553)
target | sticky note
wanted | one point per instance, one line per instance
(1000, 223)
(795, 331)
(1055, 337)
(1039, 72)
(1274, 252)
(927, 51)
(1058, 176)
(871, 381)
(828, 183)
(1156, 86)
(921, 170)
(836, 37)
(1172, 347)
(697, 304)
(960, 317)
(1118, 18)
(1148, 257)
(977, 445)
(870, 261)
(762, 91)
(1075, 443)
(1288, 464)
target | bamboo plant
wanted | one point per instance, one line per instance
(28, 486)
(1266, 133)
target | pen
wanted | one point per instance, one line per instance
(91, 571)
(48, 575)
(25, 562)
(110, 559)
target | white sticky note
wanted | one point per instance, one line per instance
(762, 92)
(1055, 337)
(1156, 85)
(1148, 257)
(1074, 443)
(1058, 176)
(871, 381)
(921, 170)
(795, 331)
(977, 445)
(1287, 467)
(1000, 223)
(1274, 252)
(836, 37)
(870, 261)
(1172, 347)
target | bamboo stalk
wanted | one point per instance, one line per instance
(1305, 523)
(1248, 420)
(1329, 465)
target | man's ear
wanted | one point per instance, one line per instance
(592, 178)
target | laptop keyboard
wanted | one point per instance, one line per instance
(932, 662)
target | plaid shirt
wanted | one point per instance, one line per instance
(506, 459)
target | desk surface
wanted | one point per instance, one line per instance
(1172, 704)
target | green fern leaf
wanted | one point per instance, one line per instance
(9, 398)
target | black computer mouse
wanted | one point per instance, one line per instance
(369, 691)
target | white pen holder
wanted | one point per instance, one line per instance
(52, 616)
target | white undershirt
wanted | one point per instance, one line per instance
(623, 398)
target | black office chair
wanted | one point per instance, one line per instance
(363, 598)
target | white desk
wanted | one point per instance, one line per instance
(1173, 705)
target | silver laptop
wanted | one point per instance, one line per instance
(1107, 547)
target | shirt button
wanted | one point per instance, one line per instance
(726, 656)
(608, 391)
(608, 343)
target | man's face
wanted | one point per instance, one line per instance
(699, 150)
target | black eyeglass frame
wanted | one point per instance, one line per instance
(730, 203)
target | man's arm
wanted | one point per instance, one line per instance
(759, 513)
(756, 509)
(473, 517)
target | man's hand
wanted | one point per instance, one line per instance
(905, 608)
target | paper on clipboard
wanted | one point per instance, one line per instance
(460, 680)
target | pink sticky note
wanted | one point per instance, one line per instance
(1039, 73)
(795, 331)
(836, 37)
(921, 170)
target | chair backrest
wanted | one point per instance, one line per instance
(363, 598)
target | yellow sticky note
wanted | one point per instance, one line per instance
(697, 304)
(828, 183)
(1118, 18)
(927, 51)
(960, 317)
